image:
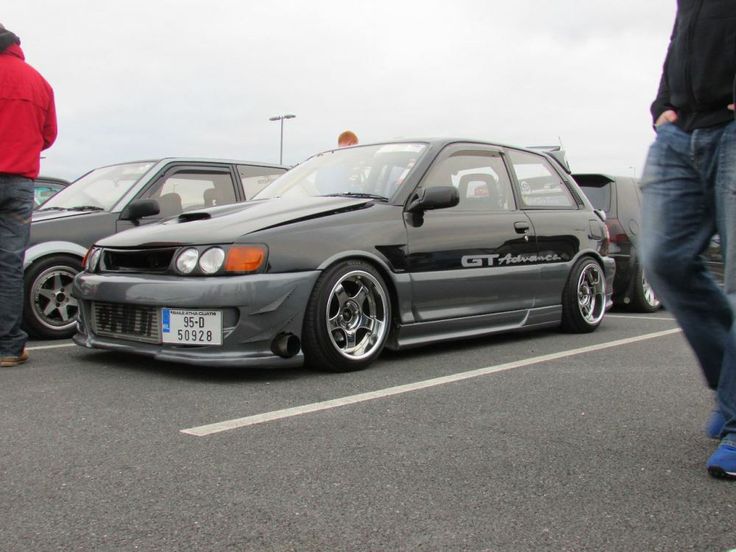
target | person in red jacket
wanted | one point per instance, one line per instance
(27, 126)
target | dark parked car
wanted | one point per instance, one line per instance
(44, 187)
(395, 244)
(108, 200)
(619, 197)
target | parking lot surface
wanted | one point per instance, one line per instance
(522, 442)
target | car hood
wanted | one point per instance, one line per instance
(228, 223)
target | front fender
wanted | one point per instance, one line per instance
(45, 249)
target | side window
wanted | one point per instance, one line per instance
(480, 178)
(254, 178)
(539, 183)
(192, 189)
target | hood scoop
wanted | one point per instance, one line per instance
(188, 217)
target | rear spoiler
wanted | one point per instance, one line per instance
(592, 179)
(556, 153)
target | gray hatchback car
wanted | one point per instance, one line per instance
(110, 199)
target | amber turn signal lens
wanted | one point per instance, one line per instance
(245, 258)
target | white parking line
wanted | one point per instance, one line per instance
(227, 425)
(640, 317)
(59, 346)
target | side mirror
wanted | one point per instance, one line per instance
(438, 197)
(139, 208)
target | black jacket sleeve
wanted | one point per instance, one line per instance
(662, 101)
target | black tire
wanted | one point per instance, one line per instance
(49, 310)
(348, 318)
(643, 298)
(584, 297)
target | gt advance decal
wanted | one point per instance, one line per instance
(475, 261)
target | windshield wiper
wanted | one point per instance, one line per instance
(51, 209)
(358, 195)
(85, 208)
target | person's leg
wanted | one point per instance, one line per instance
(16, 205)
(677, 224)
(723, 461)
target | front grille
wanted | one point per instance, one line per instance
(130, 322)
(154, 261)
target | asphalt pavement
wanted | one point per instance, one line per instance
(524, 442)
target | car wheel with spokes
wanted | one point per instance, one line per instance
(643, 298)
(50, 311)
(584, 297)
(348, 318)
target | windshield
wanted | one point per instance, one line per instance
(363, 171)
(100, 189)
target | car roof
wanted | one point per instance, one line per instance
(52, 180)
(554, 153)
(195, 160)
(441, 142)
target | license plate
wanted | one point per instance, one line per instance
(191, 327)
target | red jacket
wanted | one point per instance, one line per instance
(27, 114)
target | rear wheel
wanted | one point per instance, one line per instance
(584, 297)
(643, 298)
(49, 310)
(348, 317)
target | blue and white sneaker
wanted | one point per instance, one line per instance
(722, 462)
(715, 424)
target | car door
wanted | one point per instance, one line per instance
(561, 226)
(189, 186)
(475, 258)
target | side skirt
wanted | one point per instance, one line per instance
(420, 333)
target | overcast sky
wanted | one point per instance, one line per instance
(141, 79)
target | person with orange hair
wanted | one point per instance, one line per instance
(347, 138)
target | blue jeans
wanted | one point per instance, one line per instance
(16, 205)
(689, 193)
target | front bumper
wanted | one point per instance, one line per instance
(256, 308)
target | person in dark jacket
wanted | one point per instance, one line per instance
(27, 126)
(689, 194)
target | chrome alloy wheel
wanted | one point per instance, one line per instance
(357, 315)
(51, 300)
(648, 294)
(591, 291)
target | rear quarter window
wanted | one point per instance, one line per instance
(599, 196)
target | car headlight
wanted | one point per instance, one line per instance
(91, 259)
(211, 260)
(242, 259)
(187, 260)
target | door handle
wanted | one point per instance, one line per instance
(521, 227)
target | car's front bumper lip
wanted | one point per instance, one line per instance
(209, 356)
(257, 308)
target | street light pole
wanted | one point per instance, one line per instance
(281, 146)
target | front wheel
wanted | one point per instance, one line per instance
(348, 318)
(49, 310)
(584, 297)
